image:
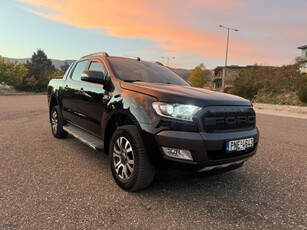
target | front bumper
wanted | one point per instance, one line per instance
(207, 149)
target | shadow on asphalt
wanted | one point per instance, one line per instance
(237, 183)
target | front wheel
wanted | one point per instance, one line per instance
(130, 165)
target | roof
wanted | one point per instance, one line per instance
(302, 47)
(218, 68)
(5, 86)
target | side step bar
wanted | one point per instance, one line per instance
(87, 138)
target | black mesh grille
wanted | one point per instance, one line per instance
(221, 119)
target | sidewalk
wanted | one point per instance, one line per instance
(281, 110)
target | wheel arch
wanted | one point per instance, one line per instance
(114, 122)
(53, 102)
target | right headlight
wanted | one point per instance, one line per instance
(176, 111)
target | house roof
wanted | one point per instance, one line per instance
(219, 68)
(302, 47)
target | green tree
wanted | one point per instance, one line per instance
(272, 84)
(198, 76)
(55, 74)
(249, 81)
(64, 67)
(40, 67)
(11, 73)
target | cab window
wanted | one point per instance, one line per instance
(96, 66)
(79, 68)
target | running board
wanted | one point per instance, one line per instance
(86, 138)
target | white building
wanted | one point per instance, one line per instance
(304, 57)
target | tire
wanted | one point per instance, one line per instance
(56, 121)
(129, 162)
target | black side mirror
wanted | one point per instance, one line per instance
(93, 76)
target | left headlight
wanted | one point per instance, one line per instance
(176, 111)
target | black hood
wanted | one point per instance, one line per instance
(184, 94)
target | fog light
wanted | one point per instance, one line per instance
(177, 153)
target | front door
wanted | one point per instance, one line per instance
(91, 104)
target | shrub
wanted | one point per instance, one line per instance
(302, 92)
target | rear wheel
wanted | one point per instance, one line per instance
(57, 122)
(130, 165)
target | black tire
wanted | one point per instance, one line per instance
(56, 121)
(126, 147)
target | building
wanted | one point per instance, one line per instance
(5, 89)
(231, 73)
(304, 57)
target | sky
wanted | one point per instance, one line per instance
(269, 32)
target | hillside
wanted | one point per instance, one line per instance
(184, 73)
(57, 63)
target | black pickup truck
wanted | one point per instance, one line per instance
(147, 119)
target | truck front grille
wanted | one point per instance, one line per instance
(217, 119)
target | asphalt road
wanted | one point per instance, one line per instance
(47, 183)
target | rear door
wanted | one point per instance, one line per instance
(71, 96)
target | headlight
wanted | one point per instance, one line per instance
(176, 111)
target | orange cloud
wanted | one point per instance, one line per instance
(164, 22)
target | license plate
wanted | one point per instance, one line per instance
(239, 145)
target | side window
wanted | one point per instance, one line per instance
(76, 75)
(68, 70)
(96, 66)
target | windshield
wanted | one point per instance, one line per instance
(131, 70)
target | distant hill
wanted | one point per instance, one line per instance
(57, 63)
(184, 73)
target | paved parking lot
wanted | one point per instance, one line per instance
(47, 183)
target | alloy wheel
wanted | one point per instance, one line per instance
(54, 122)
(123, 158)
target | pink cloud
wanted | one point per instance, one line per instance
(168, 23)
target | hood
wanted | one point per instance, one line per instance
(184, 94)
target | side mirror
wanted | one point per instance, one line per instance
(93, 76)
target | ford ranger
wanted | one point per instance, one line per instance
(146, 118)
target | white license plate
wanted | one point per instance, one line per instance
(239, 145)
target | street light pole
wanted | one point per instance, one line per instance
(224, 72)
(168, 59)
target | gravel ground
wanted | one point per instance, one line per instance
(47, 183)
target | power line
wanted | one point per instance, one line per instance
(167, 58)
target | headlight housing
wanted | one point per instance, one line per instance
(176, 111)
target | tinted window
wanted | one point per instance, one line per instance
(68, 70)
(76, 75)
(134, 70)
(96, 66)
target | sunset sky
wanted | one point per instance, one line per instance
(269, 31)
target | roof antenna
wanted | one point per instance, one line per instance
(137, 58)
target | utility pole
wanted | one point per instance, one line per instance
(167, 58)
(224, 72)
